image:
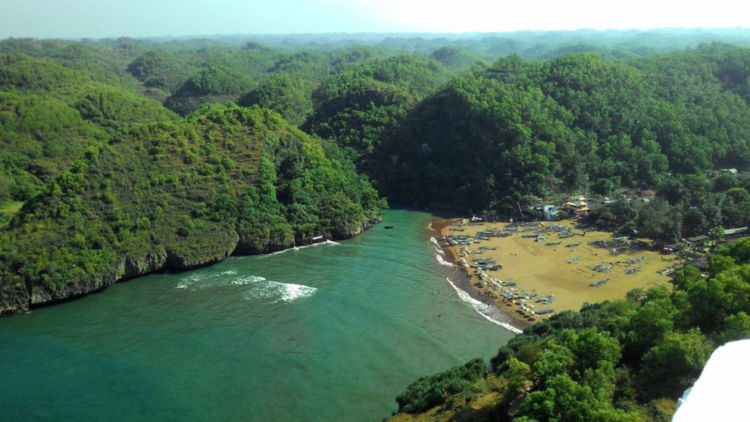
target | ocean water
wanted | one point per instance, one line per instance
(329, 332)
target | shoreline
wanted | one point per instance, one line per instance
(544, 267)
(461, 280)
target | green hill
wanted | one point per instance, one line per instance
(578, 123)
(49, 115)
(179, 195)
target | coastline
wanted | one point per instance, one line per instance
(531, 271)
(462, 281)
(27, 297)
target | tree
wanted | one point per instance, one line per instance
(674, 363)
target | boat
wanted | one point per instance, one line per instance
(388, 227)
(552, 243)
(599, 283)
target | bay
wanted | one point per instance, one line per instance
(329, 332)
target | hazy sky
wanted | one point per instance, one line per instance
(141, 18)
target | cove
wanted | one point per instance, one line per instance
(329, 332)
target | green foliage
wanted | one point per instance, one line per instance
(358, 117)
(288, 96)
(577, 123)
(617, 360)
(159, 69)
(129, 206)
(213, 84)
(49, 116)
(428, 392)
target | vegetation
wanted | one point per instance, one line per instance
(521, 130)
(143, 196)
(615, 361)
(49, 116)
(685, 206)
(100, 179)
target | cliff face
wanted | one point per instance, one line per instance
(227, 180)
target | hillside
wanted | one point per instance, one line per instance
(179, 195)
(49, 115)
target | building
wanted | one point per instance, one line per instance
(550, 213)
(578, 208)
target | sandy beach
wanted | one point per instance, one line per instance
(548, 267)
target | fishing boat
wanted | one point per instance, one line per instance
(599, 283)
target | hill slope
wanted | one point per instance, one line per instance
(179, 195)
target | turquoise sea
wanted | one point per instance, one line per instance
(328, 332)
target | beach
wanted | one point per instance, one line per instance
(532, 271)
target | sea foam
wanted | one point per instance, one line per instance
(201, 280)
(281, 292)
(442, 261)
(297, 248)
(259, 287)
(488, 312)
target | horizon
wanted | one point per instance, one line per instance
(96, 19)
(428, 35)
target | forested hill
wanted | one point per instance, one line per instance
(519, 130)
(49, 115)
(129, 189)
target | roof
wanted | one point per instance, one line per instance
(730, 232)
(721, 391)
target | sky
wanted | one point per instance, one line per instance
(146, 18)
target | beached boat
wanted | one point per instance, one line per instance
(599, 283)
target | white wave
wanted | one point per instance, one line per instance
(280, 252)
(292, 292)
(258, 287)
(244, 281)
(442, 261)
(482, 308)
(297, 248)
(281, 292)
(434, 242)
(439, 251)
(201, 280)
(429, 226)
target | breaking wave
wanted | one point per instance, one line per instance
(260, 288)
(296, 248)
(202, 280)
(488, 312)
(282, 292)
(442, 261)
